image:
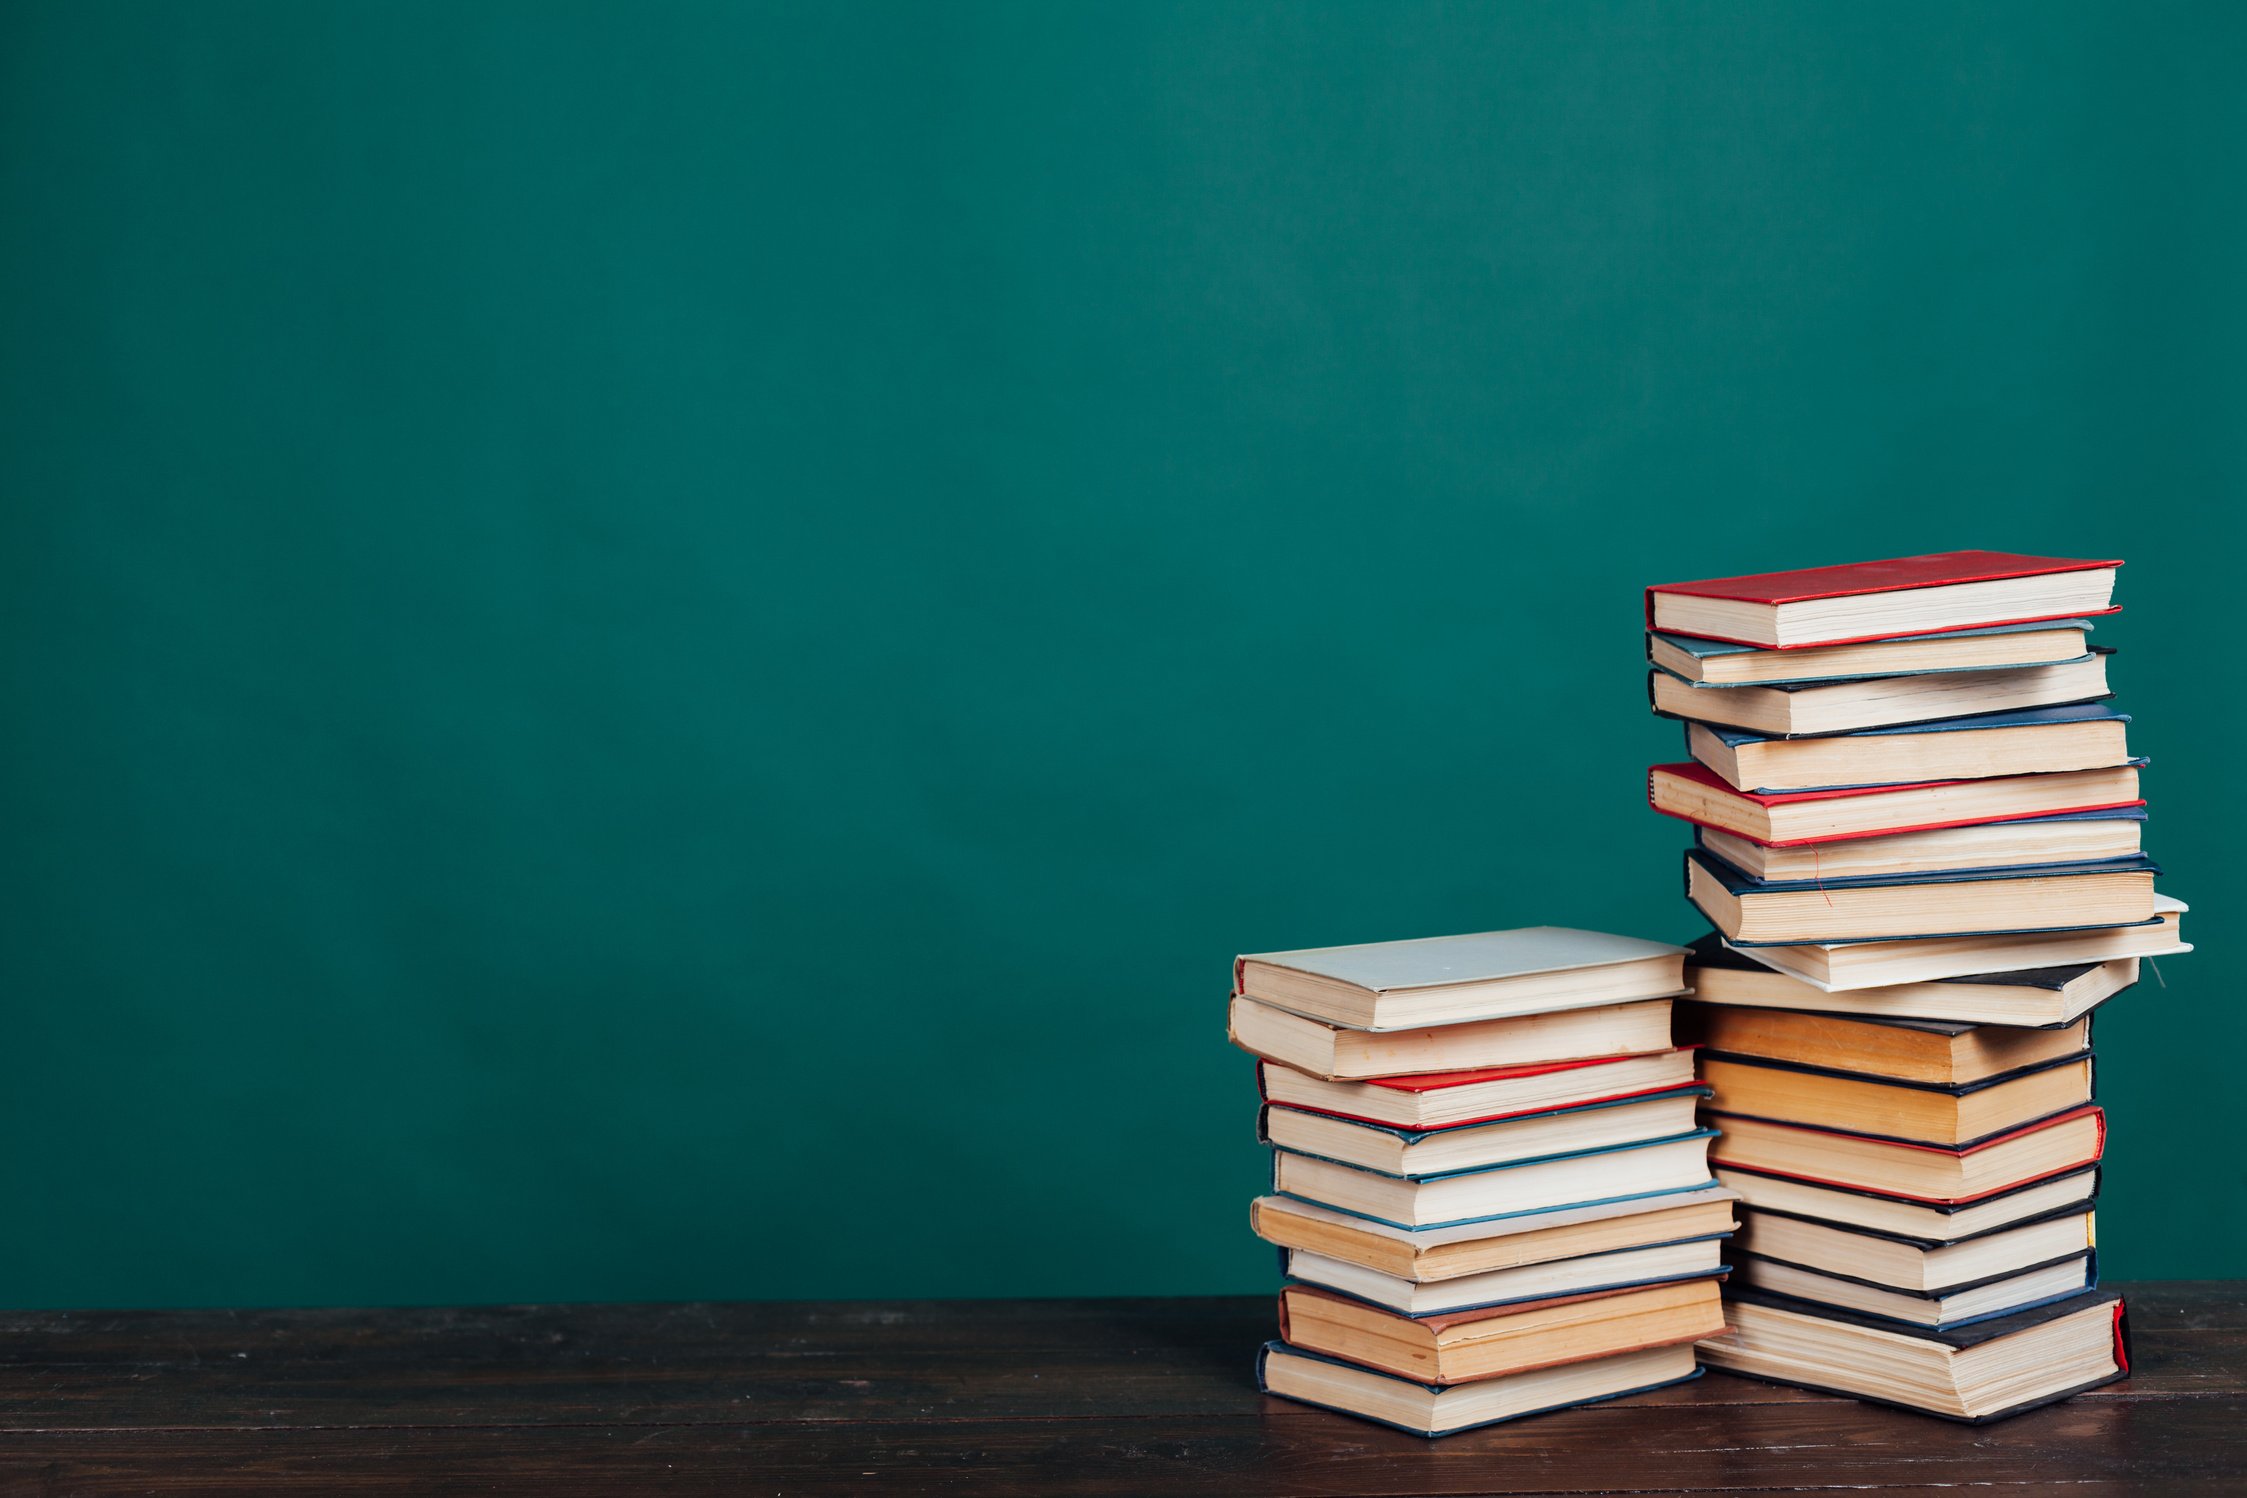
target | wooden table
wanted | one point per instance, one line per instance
(986, 1397)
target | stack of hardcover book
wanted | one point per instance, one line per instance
(1917, 838)
(1490, 1192)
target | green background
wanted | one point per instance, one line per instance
(662, 650)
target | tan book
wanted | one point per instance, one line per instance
(1989, 845)
(1426, 1410)
(1442, 1100)
(1841, 967)
(1492, 1343)
(1879, 1212)
(1719, 664)
(1917, 1267)
(1831, 1157)
(1319, 1049)
(1431, 1255)
(1911, 1050)
(1925, 1112)
(1976, 1372)
(2035, 996)
(1753, 913)
(2084, 737)
(1696, 793)
(1851, 706)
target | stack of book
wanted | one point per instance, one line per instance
(1490, 1192)
(1917, 829)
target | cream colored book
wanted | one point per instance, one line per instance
(1838, 968)
(1429, 1255)
(1451, 980)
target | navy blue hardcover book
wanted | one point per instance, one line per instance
(1263, 1385)
(1737, 883)
(1957, 1339)
(1792, 687)
(2021, 720)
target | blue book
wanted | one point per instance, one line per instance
(2064, 837)
(1894, 907)
(1807, 709)
(1996, 648)
(1644, 1169)
(2025, 741)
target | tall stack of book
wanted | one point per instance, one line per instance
(1490, 1192)
(1917, 829)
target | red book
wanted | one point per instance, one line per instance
(1443, 1100)
(1883, 600)
(1785, 819)
(1931, 1173)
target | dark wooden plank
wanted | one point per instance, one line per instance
(2144, 1446)
(756, 1363)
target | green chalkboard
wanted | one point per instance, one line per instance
(662, 650)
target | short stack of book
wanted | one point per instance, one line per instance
(1490, 1191)
(1917, 836)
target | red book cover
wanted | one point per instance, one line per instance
(1434, 1081)
(2090, 1110)
(1430, 1081)
(1700, 774)
(1898, 574)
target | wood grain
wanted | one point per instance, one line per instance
(992, 1397)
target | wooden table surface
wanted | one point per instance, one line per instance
(987, 1397)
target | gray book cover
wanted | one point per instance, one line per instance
(1482, 956)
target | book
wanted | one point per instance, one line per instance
(1589, 1274)
(1948, 1114)
(1438, 1100)
(1468, 1345)
(1853, 706)
(2037, 997)
(1696, 793)
(2072, 837)
(1881, 600)
(1616, 1173)
(2035, 741)
(1319, 1049)
(1914, 1265)
(1913, 1309)
(1449, 980)
(2058, 1145)
(1535, 1136)
(1972, 902)
(1973, 1373)
(1999, 647)
(1927, 1221)
(1425, 1255)
(1434, 1410)
(1842, 966)
(1942, 1052)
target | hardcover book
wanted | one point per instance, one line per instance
(1912, 1310)
(1891, 1261)
(2034, 741)
(2036, 997)
(1838, 967)
(1590, 1274)
(1624, 1172)
(1423, 1409)
(1421, 1154)
(1828, 707)
(1447, 980)
(1858, 601)
(1951, 1115)
(1972, 1373)
(2071, 837)
(1966, 902)
(1917, 1219)
(1694, 792)
(1941, 1052)
(2060, 1145)
(1428, 1255)
(1462, 1346)
(2000, 647)
(1441, 1100)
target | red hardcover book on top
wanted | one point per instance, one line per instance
(1780, 610)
